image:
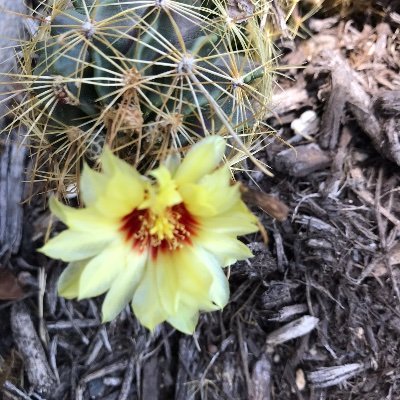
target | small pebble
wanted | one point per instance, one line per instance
(96, 388)
(72, 191)
(300, 379)
(212, 348)
(307, 125)
(359, 333)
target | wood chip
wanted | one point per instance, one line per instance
(288, 312)
(293, 330)
(331, 376)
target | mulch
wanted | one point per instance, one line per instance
(314, 315)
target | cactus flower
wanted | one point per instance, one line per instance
(159, 242)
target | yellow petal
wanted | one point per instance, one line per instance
(226, 248)
(112, 165)
(166, 194)
(167, 282)
(197, 200)
(73, 245)
(146, 302)
(68, 283)
(163, 176)
(203, 286)
(220, 190)
(201, 159)
(237, 221)
(124, 188)
(92, 185)
(194, 278)
(124, 286)
(82, 219)
(213, 195)
(101, 271)
(185, 319)
(219, 288)
(120, 196)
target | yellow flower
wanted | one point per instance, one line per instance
(158, 242)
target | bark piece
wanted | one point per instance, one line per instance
(334, 112)
(387, 102)
(277, 295)
(12, 157)
(189, 361)
(37, 368)
(151, 379)
(302, 160)
(290, 99)
(11, 33)
(261, 379)
(11, 154)
(335, 180)
(128, 379)
(346, 90)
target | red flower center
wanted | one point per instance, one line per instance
(167, 232)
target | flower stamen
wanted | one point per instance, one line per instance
(166, 231)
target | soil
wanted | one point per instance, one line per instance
(315, 314)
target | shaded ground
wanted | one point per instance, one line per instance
(336, 258)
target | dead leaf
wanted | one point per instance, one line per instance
(10, 289)
(270, 204)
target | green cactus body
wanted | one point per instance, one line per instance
(147, 76)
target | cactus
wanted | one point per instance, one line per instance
(144, 76)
